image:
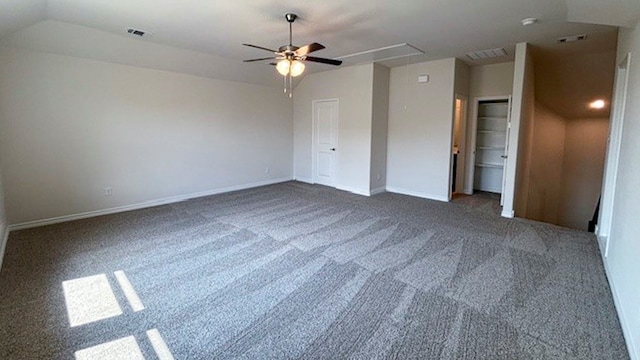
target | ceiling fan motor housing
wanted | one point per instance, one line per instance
(286, 49)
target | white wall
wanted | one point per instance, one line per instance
(522, 112)
(582, 171)
(352, 86)
(63, 38)
(622, 263)
(69, 127)
(420, 126)
(379, 126)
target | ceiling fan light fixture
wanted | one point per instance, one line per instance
(283, 67)
(290, 58)
(296, 68)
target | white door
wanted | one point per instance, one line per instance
(325, 134)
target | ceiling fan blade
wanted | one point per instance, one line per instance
(309, 49)
(260, 47)
(260, 59)
(323, 60)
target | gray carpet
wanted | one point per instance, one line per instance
(301, 271)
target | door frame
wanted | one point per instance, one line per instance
(462, 144)
(470, 153)
(314, 134)
(614, 141)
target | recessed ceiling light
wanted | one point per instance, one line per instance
(597, 104)
(528, 21)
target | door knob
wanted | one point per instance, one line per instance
(504, 156)
(333, 149)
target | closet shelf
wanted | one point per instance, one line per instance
(490, 147)
(493, 117)
(492, 131)
(495, 166)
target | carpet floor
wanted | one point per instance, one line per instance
(302, 271)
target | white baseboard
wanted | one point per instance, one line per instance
(396, 190)
(304, 180)
(378, 190)
(634, 353)
(353, 190)
(602, 243)
(3, 243)
(508, 214)
(142, 205)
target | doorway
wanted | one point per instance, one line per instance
(325, 141)
(613, 154)
(489, 142)
(458, 138)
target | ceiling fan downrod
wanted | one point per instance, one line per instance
(291, 17)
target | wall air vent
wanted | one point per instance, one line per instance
(568, 39)
(137, 32)
(486, 54)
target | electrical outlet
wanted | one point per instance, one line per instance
(267, 171)
(108, 191)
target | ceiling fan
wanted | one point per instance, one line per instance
(290, 58)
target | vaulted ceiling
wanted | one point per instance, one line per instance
(205, 37)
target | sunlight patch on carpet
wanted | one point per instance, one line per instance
(90, 299)
(129, 291)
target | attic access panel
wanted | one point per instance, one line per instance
(382, 54)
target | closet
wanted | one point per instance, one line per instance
(491, 145)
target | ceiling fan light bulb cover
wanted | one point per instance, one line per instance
(283, 67)
(297, 68)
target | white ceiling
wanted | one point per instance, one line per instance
(215, 30)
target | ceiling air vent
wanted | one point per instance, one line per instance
(136, 32)
(568, 39)
(486, 54)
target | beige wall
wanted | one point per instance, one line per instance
(546, 166)
(484, 81)
(420, 126)
(380, 123)
(491, 80)
(521, 132)
(461, 88)
(562, 168)
(69, 127)
(3, 223)
(564, 83)
(582, 170)
(352, 86)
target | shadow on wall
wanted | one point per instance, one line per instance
(567, 139)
